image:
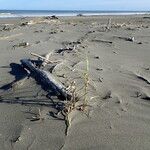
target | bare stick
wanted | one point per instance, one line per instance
(47, 59)
(39, 56)
(102, 41)
(131, 39)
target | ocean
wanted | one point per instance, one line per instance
(34, 13)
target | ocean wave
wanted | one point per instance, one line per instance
(7, 15)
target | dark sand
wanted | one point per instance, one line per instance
(118, 94)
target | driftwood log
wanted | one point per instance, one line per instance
(47, 79)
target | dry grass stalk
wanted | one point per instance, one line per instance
(71, 105)
(109, 24)
(86, 82)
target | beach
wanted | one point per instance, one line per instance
(116, 115)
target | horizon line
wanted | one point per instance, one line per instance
(71, 10)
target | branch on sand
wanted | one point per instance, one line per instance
(47, 79)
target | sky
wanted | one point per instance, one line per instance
(75, 4)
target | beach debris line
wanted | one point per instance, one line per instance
(48, 19)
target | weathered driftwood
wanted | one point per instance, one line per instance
(47, 79)
(23, 44)
(102, 41)
(44, 59)
(131, 39)
(41, 57)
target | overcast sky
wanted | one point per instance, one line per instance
(76, 4)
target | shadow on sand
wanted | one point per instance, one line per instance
(9, 96)
(18, 72)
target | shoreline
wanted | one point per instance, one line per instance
(63, 13)
(74, 17)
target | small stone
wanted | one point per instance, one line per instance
(79, 15)
(24, 23)
(139, 43)
(147, 68)
(96, 57)
(100, 79)
(53, 32)
(54, 17)
(114, 52)
(19, 139)
(118, 102)
(98, 69)
(37, 42)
